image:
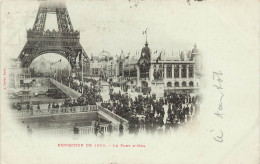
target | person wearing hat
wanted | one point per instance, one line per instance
(110, 128)
(38, 108)
(76, 129)
(121, 129)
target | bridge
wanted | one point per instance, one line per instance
(62, 121)
(70, 92)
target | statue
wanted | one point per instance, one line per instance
(155, 74)
(159, 74)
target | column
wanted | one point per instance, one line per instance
(194, 72)
(172, 71)
(151, 73)
(187, 71)
(164, 71)
(180, 71)
(123, 72)
(138, 76)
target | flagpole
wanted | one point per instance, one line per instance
(82, 72)
(61, 76)
(146, 34)
(162, 63)
(129, 65)
(69, 70)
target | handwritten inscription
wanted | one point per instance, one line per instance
(218, 86)
(217, 78)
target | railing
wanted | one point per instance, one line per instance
(91, 129)
(64, 88)
(69, 131)
(111, 114)
(76, 109)
(86, 130)
(55, 132)
(61, 110)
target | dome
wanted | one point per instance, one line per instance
(105, 56)
(195, 49)
(146, 51)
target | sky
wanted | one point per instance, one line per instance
(227, 35)
(116, 26)
(50, 61)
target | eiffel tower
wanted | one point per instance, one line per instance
(65, 41)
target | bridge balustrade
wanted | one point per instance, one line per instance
(69, 131)
(61, 110)
(113, 115)
(86, 130)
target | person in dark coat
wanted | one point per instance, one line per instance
(186, 110)
(53, 105)
(28, 107)
(49, 107)
(110, 128)
(31, 110)
(38, 108)
(76, 129)
(121, 129)
(96, 127)
(169, 109)
(19, 107)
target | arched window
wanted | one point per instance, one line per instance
(176, 71)
(169, 71)
(191, 70)
(183, 71)
(191, 84)
(183, 84)
(169, 84)
(176, 84)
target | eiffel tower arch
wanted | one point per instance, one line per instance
(65, 41)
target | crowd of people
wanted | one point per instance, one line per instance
(146, 113)
(143, 112)
(90, 94)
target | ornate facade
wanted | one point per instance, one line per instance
(168, 73)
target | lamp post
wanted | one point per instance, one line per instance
(56, 69)
(61, 76)
(69, 70)
(82, 79)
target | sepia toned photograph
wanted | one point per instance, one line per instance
(57, 88)
(131, 81)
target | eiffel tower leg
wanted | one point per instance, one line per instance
(26, 57)
(72, 60)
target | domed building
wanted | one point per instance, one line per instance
(167, 73)
(196, 57)
(143, 68)
(146, 52)
(195, 50)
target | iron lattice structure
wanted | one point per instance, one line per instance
(65, 41)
